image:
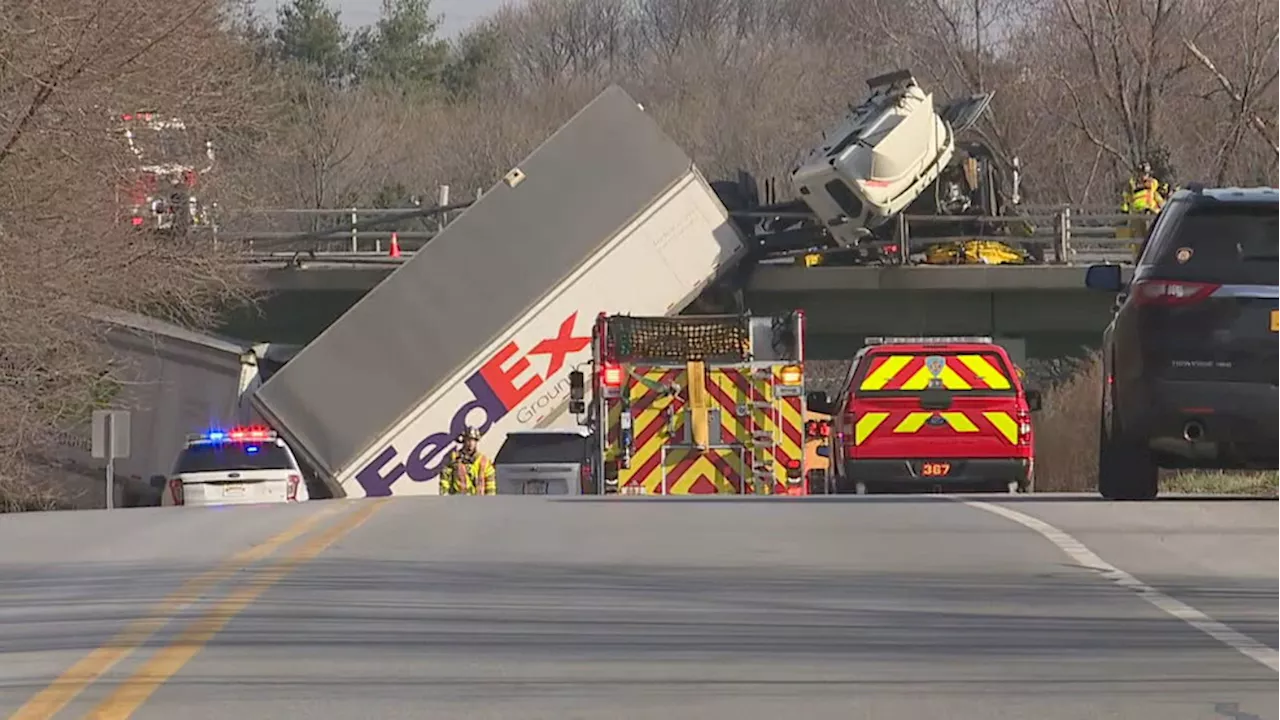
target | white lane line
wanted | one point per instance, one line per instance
(1077, 551)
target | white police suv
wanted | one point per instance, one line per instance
(239, 466)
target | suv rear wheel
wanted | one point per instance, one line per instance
(1126, 470)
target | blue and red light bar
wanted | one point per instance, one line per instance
(236, 434)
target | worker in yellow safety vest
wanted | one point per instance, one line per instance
(1142, 201)
(468, 471)
(1143, 196)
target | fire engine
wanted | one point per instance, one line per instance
(170, 165)
(696, 405)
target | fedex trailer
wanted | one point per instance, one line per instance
(483, 325)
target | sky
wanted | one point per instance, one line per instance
(458, 14)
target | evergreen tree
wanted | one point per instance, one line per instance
(476, 55)
(310, 34)
(401, 51)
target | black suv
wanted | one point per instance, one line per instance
(1190, 358)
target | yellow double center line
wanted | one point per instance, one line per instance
(170, 659)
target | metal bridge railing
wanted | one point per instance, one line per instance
(333, 231)
(1067, 236)
(1060, 235)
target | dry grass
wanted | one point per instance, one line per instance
(1067, 446)
(29, 496)
(1067, 432)
(1214, 482)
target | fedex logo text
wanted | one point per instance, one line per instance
(495, 391)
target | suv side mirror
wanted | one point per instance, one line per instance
(819, 402)
(1034, 400)
(1107, 278)
(577, 392)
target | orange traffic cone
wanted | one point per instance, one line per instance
(395, 245)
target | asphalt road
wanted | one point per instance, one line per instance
(527, 608)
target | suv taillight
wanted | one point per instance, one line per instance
(584, 478)
(1171, 292)
(1024, 427)
(291, 492)
(175, 490)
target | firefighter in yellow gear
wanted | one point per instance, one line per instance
(1144, 195)
(468, 471)
(1141, 202)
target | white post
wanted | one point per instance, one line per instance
(110, 435)
(111, 482)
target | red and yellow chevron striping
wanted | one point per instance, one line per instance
(689, 471)
(755, 435)
(995, 422)
(974, 371)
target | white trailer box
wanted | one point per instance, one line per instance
(483, 324)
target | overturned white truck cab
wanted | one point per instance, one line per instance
(884, 153)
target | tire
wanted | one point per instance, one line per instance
(1126, 470)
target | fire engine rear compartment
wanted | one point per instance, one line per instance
(742, 436)
(700, 405)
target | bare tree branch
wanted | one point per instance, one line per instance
(68, 69)
(1264, 131)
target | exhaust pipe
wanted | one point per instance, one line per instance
(1193, 431)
